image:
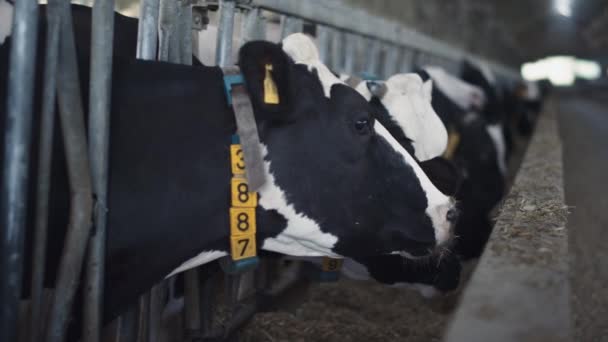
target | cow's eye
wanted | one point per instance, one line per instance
(362, 126)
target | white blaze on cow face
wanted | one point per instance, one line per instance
(6, 20)
(498, 138)
(302, 236)
(408, 101)
(465, 95)
(438, 204)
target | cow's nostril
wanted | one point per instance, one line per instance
(452, 215)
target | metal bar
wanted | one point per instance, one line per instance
(47, 125)
(223, 56)
(406, 60)
(337, 51)
(290, 25)
(168, 32)
(323, 40)
(73, 128)
(185, 31)
(255, 26)
(348, 18)
(350, 53)
(13, 197)
(99, 135)
(373, 53)
(157, 299)
(143, 320)
(391, 61)
(147, 33)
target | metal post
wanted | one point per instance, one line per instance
(223, 52)
(323, 40)
(99, 134)
(13, 197)
(290, 25)
(350, 53)
(147, 33)
(73, 128)
(184, 23)
(168, 31)
(373, 53)
(337, 51)
(391, 61)
(47, 123)
(254, 26)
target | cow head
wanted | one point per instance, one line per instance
(407, 101)
(341, 181)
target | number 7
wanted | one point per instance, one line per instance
(245, 242)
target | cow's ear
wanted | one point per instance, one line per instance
(265, 68)
(444, 174)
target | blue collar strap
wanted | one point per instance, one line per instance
(229, 81)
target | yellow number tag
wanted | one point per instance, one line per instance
(331, 264)
(271, 93)
(242, 221)
(241, 197)
(236, 159)
(242, 247)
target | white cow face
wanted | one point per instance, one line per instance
(408, 101)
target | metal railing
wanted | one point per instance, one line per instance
(349, 40)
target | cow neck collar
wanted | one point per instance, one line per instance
(248, 175)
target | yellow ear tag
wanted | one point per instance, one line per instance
(453, 142)
(271, 94)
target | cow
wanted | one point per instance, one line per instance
(403, 105)
(478, 156)
(494, 111)
(338, 184)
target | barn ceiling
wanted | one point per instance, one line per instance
(512, 31)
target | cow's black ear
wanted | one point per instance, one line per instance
(444, 175)
(265, 68)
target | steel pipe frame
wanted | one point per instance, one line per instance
(13, 196)
(73, 128)
(350, 53)
(47, 124)
(147, 33)
(323, 42)
(168, 31)
(290, 25)
(373, 54)
(341, 16)
(223, 52)
(254, 26)
(99, 135)
(337, 51)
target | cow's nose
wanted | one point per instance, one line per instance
(452, 215)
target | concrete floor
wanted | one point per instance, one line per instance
(583, 123)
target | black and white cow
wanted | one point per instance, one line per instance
(338, 184)
(477, 154)
(404, 108)
(494, 110)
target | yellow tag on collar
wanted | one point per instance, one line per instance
(331, 264)
(453, 142)
(271, 93)
(242, 247)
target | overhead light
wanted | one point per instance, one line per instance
(564, 7)
(561, 70)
